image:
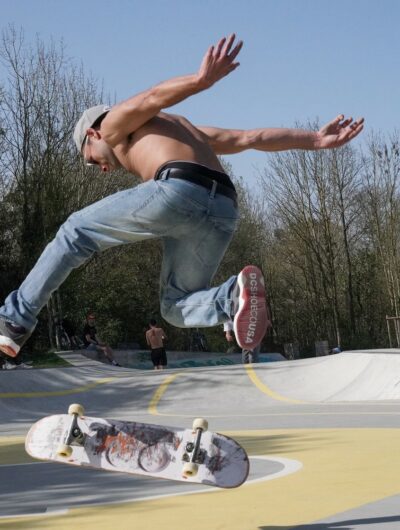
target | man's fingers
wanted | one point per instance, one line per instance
(233, 66)
(354, 132)
(218, 47)
(346, 123)
(351, 132)
(236, 50)
(223, 48)
(359, 121)
(355, 125)
(228, 45)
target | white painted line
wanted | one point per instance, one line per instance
(46, 513)
(290, 466)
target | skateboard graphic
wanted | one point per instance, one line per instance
(189, 455)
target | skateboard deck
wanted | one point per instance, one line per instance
(191, 455)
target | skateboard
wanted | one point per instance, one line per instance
(194, 455)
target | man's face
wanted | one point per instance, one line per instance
(91, 321)
(98, 153)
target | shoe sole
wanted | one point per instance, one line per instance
(8, 346)
(251, 320)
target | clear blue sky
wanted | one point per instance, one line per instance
(301, 59)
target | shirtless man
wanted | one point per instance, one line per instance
(185, 199)
(155, 337)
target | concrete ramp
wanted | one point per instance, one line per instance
(369, 375)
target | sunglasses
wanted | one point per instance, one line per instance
(88, 161)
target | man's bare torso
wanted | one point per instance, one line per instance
(164, 138)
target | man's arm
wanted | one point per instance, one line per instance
(90, 340)
(147, 338)
(131, 114)
(99, 341)
(334, 134)
(228, 327)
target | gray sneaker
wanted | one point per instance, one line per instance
(23, 366)
(114, 363)
(9, 366)
(12, 337)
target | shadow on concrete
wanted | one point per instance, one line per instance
(350, 524)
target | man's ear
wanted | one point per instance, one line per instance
(93, 133)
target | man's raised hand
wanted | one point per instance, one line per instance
(219, 61)
(338, 132)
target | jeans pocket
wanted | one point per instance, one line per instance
(184, 197)
(160, 215)
(212, 245)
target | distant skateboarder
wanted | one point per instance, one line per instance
(186, 200)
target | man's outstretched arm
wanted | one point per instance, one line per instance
(128, 116)
(334, 134)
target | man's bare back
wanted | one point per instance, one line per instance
(164, 138)
(155, 337)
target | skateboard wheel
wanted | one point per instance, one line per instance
(75, 408)
(200, 423)
(190, 469)
(64, 450)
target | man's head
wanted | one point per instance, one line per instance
(89, 142)
(87, 121)
(90, 319)
(153, 322)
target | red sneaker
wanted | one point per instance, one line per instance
(251, 319)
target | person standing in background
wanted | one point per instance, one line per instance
(155, 337)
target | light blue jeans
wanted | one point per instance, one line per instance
(194, 224)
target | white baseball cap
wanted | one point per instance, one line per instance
(88, 118)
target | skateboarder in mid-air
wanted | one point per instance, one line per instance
(185, 199)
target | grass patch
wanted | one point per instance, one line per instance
(47, 359)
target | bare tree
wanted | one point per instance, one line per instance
(43, 178)
(381, 203)
(312, 197)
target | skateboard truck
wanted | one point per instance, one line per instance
(194, 455)
(74, 435)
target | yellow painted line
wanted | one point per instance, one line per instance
(76, 390)
(15, 439)
(12, 451)
(158, 394)
(266, 390)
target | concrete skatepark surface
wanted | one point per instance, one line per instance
(322, 435)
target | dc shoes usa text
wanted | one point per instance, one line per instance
(251, 319)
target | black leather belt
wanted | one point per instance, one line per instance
(201, 175)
